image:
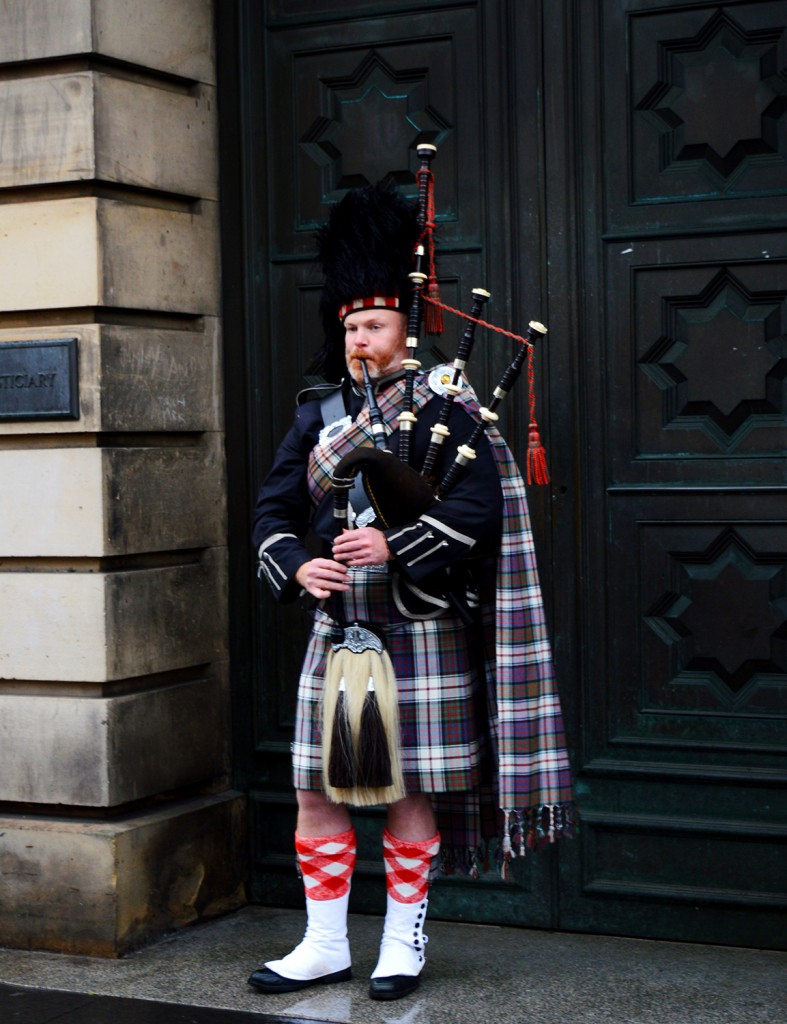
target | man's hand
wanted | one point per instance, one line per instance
(322, 576)
(366, 546)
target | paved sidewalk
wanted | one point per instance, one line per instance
(475, 974)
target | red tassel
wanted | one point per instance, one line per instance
(537, 470)
(536, 455)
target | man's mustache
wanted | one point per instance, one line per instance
(371, 364)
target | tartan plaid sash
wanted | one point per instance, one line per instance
(530, 801)
(325, 457)
(534, 775)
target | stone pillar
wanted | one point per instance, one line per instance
(116, 818)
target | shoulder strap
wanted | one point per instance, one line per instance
(332, 406)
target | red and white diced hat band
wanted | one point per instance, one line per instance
(372, 302)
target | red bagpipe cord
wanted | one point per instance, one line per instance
(536, 468)
(433, 316)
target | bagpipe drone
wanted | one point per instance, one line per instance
(361, 763)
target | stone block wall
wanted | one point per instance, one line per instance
(117, 822)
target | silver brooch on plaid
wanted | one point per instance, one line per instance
(332, 430)
(441, 380)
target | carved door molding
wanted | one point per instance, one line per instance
(681, 160)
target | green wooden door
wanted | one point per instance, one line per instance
(616, 169)
(674, 353)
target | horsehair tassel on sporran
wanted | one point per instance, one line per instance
(361, 750)
(465, 453)
(418, 278)
(440, 431)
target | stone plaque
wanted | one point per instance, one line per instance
(39, 380)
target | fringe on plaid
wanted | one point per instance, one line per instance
(521, 830)
(534, 828)
(469, 861)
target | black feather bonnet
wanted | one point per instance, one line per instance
(365, 249)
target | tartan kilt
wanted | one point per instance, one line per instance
(439, 685)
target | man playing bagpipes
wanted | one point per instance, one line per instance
(427, 683)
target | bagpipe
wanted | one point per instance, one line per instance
(361, 762)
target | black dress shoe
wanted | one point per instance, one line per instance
(266, 980)
(395, 987)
